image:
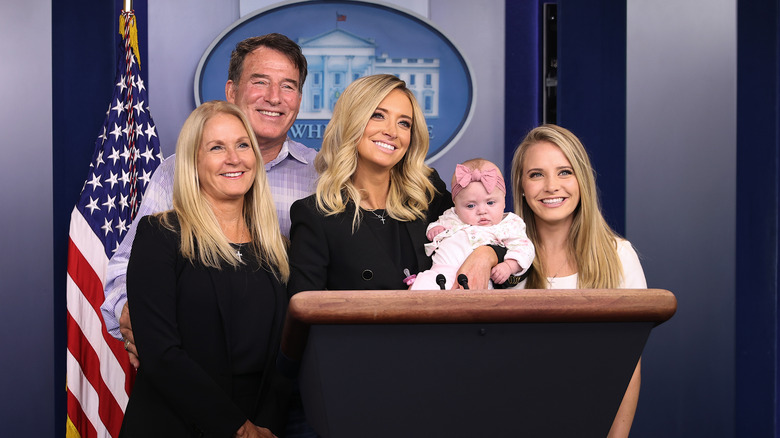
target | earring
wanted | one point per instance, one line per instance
(523, 195)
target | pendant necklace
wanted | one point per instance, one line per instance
(560, 267)
(239, 245)
(381, 218)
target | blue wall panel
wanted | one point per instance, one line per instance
(83, 56)
(592, 92)
(522, 83)
(758, 143)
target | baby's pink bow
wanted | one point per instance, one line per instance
(490, 178)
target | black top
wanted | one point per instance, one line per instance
(250, 308)
(325, 254)
(207, 341)
(393, 237)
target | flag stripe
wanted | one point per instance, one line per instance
(91, 381)
(89, 247)
(87, 422)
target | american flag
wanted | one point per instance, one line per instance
(99, 374)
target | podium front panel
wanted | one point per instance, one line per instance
(468, 380)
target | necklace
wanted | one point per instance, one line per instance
(381, 218)
(560, 267)
(240, 245)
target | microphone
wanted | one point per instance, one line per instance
(441, 281)
(463, 281)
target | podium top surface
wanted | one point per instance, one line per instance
(482, 306)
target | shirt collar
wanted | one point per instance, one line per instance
(290, 149)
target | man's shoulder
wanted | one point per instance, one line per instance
(163, 174)
(167, 165)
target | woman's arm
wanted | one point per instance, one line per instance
(633, 274)
(309, 252)
(183, 383)
(478, 265)
(633, 278)
(621, 426)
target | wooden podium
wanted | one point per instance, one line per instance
(480, 363)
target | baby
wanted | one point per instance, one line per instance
(478, 219)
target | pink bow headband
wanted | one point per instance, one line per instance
(490, 178)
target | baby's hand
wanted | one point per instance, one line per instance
(435, 231)
(500, 273)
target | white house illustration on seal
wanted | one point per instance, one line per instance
(337, 57)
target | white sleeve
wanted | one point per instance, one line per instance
(448, 220)
(157, 198)
(633, 274)
(516, 241)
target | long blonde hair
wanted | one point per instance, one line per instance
(592, 243)
(410, 189)
(202, 239)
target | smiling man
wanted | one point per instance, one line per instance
(265, 79)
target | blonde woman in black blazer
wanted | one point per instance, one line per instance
(206, 285)
(364, 228)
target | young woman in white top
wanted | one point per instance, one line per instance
(555, 194)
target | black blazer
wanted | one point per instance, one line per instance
(325, 254)
(184, 384)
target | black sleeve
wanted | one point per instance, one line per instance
(309, 251)
(500, 252)
(442, 201)
(151, 291)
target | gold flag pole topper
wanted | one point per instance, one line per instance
(133, 32)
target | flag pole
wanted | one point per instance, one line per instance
(128, 5)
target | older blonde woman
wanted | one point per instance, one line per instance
(555, 193)
(206, 285)
(364, 228)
